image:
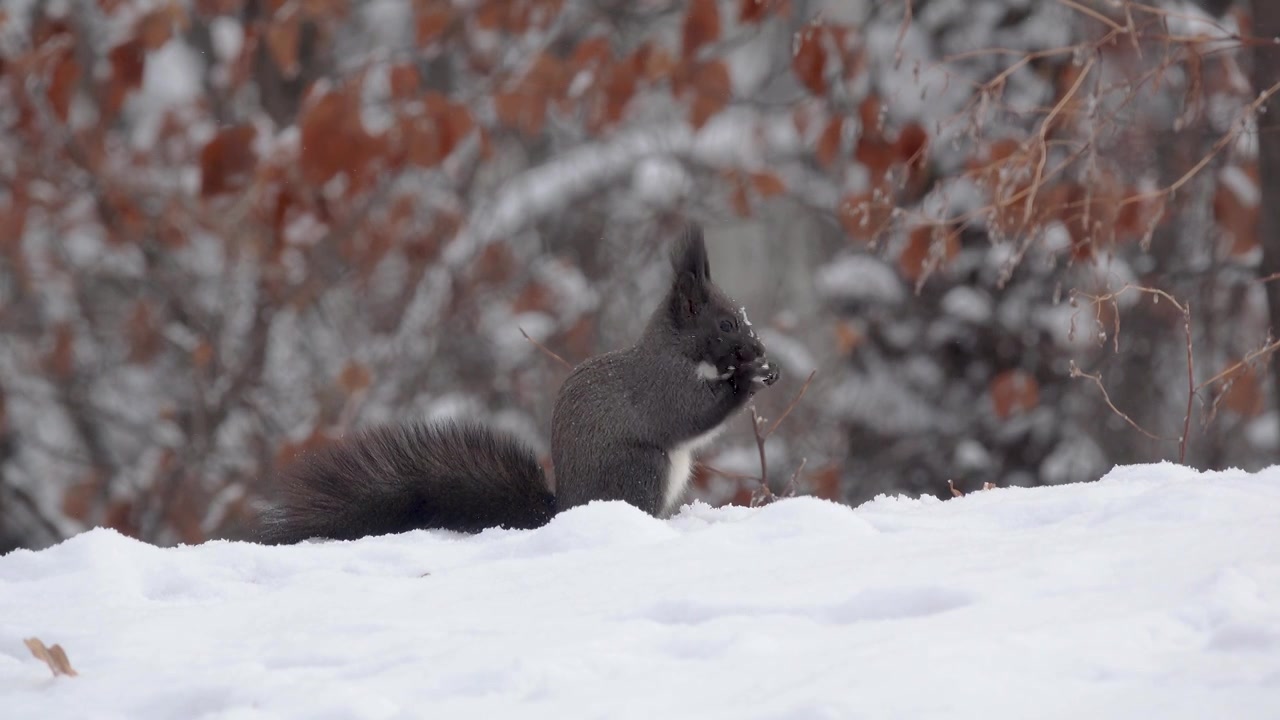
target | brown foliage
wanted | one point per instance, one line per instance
(62, 86)
(927, 249)
(755, 11)
(830, 142)
(1244, 393)
(227, 161)
(711, 90)
(1236, 215)
(283, 35)
(701, 26)
(864, 216)
(334, 139)
(1013, 392)
(809, 62)
(432, 18)
(767, 184)
(355, 377)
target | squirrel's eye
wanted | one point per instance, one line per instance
(726, 326)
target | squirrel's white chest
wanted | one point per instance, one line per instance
(680, 467)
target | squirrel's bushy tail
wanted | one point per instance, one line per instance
(391, 479)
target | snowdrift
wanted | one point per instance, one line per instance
(1152, 593)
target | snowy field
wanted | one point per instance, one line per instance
(1154, 593)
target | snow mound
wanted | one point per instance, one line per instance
(1154, 592)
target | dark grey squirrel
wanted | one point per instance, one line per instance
(625, 426)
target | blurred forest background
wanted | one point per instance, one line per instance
(1017, 241)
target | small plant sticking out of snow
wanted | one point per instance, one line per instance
(55, 657)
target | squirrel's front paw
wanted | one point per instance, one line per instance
(764, 372)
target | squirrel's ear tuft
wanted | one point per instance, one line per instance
(689, 254)
(691, 280)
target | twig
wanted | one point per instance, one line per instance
(902, 33)
(791, 484)
(1076, 372)
(1247, 360)
(792, 405)
(1191, 387)
(1249, 111)
(544, 349)
(1045, 126)
(757, 422)
(728, 474)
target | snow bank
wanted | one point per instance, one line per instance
(1152, 593)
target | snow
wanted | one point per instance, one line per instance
(968, 304)
(1234, 177)
(228, 38)
(1152, 593)
(860, 278)
(170, 78)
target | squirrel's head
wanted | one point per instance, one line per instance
(705, 322)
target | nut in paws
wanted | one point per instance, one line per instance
(766, 373)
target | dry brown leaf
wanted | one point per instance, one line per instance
(404, 80)
(522, 109)
(755, 11)
(491, 15)
(869, 114)
(877, 154)
(1236, 214)
(829, 142)
(809, 63)
(864, 216)
(713, 87)
(653, 63)
(767, 184)
(155, 28)
(701, 25)
(1014, 391)
(128, 63)
(825, 482)
(62, 87)
(590, 55)
(55, 657)
(432, 21)
(355, 377)
(618, 86)
(1244, 393)
(228, 160)
(911, 144)
(918, 255)
(283, 38)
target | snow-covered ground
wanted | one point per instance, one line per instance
(1154, 593)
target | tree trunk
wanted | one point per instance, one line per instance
(1266, 72)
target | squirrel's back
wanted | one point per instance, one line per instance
(394, 478)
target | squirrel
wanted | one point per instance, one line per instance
(625, 426)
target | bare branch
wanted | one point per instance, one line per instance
(548, 352)
(792, 405)
(1076, 372)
